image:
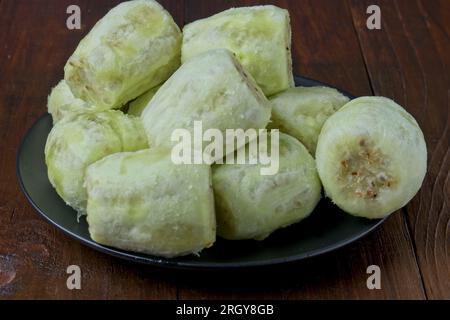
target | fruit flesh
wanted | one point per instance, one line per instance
(62, 103)
(134, 48)
(142, 202)
(137, 106)
(212, 88)
(302, 111)
(371, 157)
(260, 36)
(75, 143)
(252, 206)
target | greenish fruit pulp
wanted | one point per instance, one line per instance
(371, 157)
(137, 106)
(62, 103)
(302, 111)
(252, 206)
(143, 202)
(133, 48)
(260, 36)
(212, 88)
(75, 143)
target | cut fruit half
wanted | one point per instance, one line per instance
(252, 206)
(133, 48)
(302, 111)
(213, 89)
(143, 202)
(75, 143)
(260, 36)
(371, 157)
(62, 103)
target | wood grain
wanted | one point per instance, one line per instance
(408, 60)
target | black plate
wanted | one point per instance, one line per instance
(326, 230)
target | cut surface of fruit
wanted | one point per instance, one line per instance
(133, 48)
(62, 103)
(371, 157)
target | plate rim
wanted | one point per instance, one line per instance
(186, 265)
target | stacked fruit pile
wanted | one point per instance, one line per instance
(135, 78)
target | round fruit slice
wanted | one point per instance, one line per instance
(250, 205)
(371, 157)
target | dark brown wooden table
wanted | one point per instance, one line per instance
(407, 60)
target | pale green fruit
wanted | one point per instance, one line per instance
(212, 88)
(302, 111)
(371, 157)
(260, 36)
(252, 206)
(62, 103)
(133, 48)
(75, 143)
(143, 202)
(137, 106)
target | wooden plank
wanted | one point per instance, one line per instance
(408, 60)
(35, 44)
(325, 48)
(34, 255)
